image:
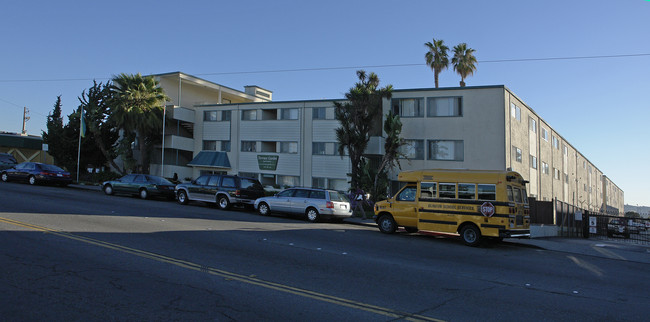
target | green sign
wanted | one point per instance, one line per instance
(267, 162)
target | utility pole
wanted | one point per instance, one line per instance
(25, 119)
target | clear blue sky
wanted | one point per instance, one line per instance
(601, 106)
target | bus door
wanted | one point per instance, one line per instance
(518, 198)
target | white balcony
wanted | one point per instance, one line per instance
(181, 113)
(179, 143)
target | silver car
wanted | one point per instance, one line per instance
(313, 203)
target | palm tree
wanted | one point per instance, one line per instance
(138, 108)
(464, 61)
(436, 57)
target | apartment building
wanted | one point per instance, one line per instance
(212, 128)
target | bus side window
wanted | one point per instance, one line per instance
(427, 190)
(511, 198)
(467, 191)
(447, 190)
(518, 197)
(487, 192)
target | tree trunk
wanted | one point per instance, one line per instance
(100, 145)
(144, 156)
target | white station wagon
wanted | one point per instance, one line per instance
(313, 203)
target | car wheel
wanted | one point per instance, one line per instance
(32, 180)
(108, 189)
(263, 209)
(223, 202)
(411, 230)
(312, 215)
(4, 177)
(471, 235)
(144, 194)
(386, 224)
(182, 197)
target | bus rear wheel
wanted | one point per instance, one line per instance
(471, 235)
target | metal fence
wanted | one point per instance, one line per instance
(632, 230)
(579, 223)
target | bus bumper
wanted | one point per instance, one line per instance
(514, 233)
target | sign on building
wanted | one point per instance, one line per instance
(267, 162)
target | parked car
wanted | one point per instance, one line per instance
(619, 227)
(7, 161)
(313, 203)
(143, 185)
(35, 172)
(224, 190)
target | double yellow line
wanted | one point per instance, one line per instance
(228, 275)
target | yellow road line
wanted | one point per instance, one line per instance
(228, 275)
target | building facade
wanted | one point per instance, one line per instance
(294, 143)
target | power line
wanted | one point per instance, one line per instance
(340, 68)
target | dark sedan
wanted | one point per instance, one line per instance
(143, 185)
(35, 172)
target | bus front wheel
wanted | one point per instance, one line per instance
(386, 224)
(471, 235)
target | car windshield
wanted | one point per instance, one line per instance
(159, 180)
(49, 167)
(337, 196)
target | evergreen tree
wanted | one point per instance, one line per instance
(54, 137)
(356, 117)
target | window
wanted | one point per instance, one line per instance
(210, 116)
(289, 114)
(487, 192)
(444, 106)
(317, 194)
(319, 182)
(319, 113)
(566, 178)
(288, 181)
(209, 145)
(214, 181)
(301, 193)
(532, 125)
(545, 134)
(318, 148)
(446, 150)
(515, 111)
(447, 190)
(565, 150)
(467, 191)
(286, 193)
(228, 182)
(408, 107)
(225, 146)
(544, 167)
(225, 116)
(533, 162)
(413, 149)
(556, 174)
(338, 184)
(202, 180)
(556, 143)
(428, 190)
(288, 147)
(249, 115)
(408, 194)
(248, 146)
(517, 153)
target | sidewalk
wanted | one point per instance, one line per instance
(612, 249)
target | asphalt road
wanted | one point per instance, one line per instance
(70, 254)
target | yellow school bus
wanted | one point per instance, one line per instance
(473, 203)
